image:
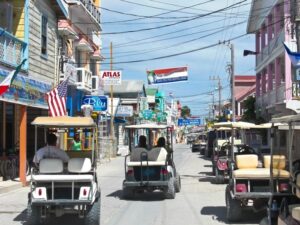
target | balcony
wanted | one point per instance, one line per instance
(271, 51)
(84, 79)
(12, 49)
(85, 12)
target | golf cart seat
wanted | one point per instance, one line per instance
(135, 155)
(79, 165)
(156, 157)
(51, 166)
(247, 169)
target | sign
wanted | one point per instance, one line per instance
(111, 77)
(124, 111)
(99, 103)
(147, 114)
(169, 75)
(189, 122)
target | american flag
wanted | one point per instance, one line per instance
(57, 99)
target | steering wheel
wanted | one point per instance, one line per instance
(245, 149)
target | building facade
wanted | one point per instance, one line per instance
(276, 90)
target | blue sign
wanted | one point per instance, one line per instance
(99, 103)
(189, 122)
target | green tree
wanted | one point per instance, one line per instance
(185, 111)
(249, 113)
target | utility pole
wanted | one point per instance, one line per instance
(232, 82)
(219, 89)
(111, 103)
(296, 20)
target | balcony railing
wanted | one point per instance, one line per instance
(270, 48)
(88, 4)
(12, 49)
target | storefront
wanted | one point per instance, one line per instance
(24, 100)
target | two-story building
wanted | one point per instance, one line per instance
(270, 22)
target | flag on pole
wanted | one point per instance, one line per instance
(57, 99)
(294, 56)
(5, 84)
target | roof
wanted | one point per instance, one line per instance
(287, 119)
(240, 125)
(63, 122)
(245, 92)
(127, 86)
(258, 13)
(147, 126)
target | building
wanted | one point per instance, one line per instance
(244, 86)
(276, 89)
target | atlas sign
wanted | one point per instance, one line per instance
(111, 77)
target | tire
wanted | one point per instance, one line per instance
(233, 207)
(33, 215)
(177, 183)
(170, 191)
(93, 215)
(213, 169)
(219, 179)
(127, 193)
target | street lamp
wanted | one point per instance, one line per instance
(249, 52)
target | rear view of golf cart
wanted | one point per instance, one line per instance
(58, 188)
(152, 168)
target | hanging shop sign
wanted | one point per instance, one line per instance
(111, 77)
(25, 91)
(99, 103)
(189, 122)
(124, 111)
(169, 75)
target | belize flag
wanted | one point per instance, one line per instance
(294, 56)
(5, 84)
(169, 75)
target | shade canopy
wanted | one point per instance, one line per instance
(64, 122)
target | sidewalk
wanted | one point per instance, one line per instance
(10, 185)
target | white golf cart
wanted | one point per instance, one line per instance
(152, 168)
(57, 189)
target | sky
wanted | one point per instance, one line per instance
(146, 29)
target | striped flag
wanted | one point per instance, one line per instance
(5, 84)
(57, 99)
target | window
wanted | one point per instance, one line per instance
(93, 66)
(44, 35)
(78, 57)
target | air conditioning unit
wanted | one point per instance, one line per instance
(69, 70)
(84, 79)
(6, 16)
(95, 83)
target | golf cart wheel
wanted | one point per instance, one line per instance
(213, 169)
(177, 183)
(233, 207)
(170, 191)
(219, 179)
(127, 193)
(93, 215)
(33, 215)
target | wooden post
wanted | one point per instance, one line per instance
(23, 144)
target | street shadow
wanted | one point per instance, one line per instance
(115, 194)
(22, 217)
(208, 166)
(139, 196)
(218, 213)
(206, 173)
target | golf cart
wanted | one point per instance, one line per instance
(153, 168)
(199, 144)
(56, 188)
(285, 211)
(249, 182)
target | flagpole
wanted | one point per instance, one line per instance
(111, 104)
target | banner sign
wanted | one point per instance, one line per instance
(99, 103)
(124, 111)
(147, 114)
(189, 122)
(26, 91)
(111, 77)
(170, 75)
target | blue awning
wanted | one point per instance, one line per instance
(119, 120)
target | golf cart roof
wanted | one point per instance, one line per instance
(269, 125)
(240, 125)
(286, 119)
(63, 122)
(147, 126)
